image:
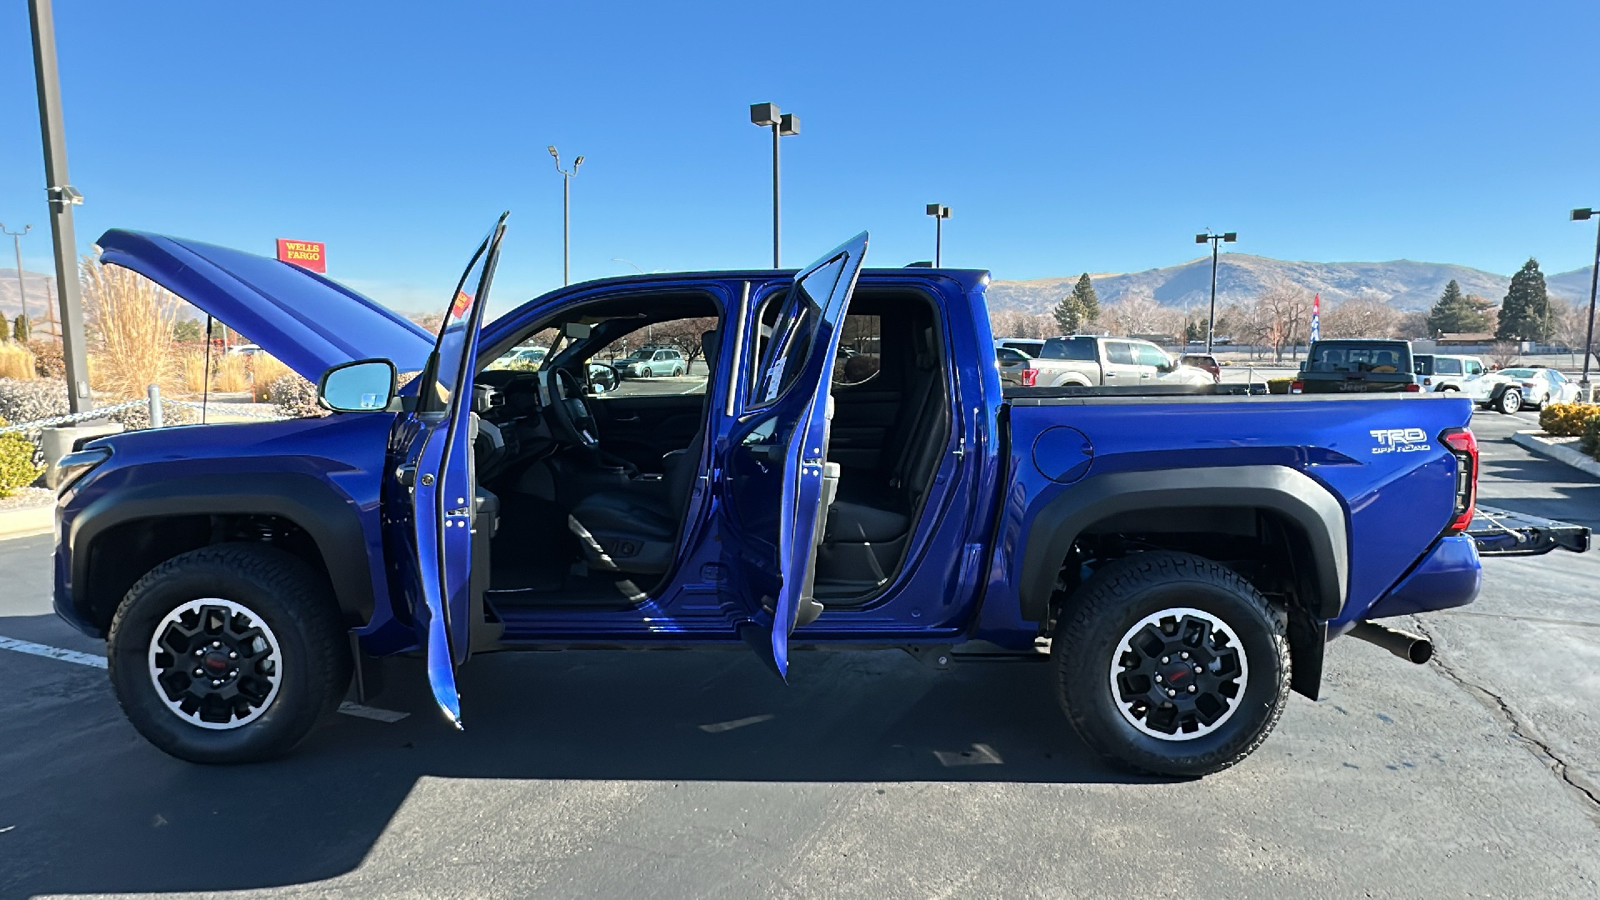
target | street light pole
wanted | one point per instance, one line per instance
(16, 244)
(62, 196)
(566, 213)
(1229, 237)
(782, 125)
(1579, 215)
(939, 213)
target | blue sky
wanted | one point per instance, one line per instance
(1065, 136)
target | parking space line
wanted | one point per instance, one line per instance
(71, 656)
(386, 716)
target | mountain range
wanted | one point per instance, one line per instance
(1404, 284)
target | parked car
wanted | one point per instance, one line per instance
(1441, 373)
(1089, 361)
(243, 350)
(1509, 390)
(1356, 365)
(1177, 555)
(1012, 363)
(1031, 346)
(649, 362)
(527, 358)
(1203, 361)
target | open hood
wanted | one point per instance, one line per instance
(303, 319)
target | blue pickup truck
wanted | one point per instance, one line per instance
(850, 474)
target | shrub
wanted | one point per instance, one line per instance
(1566, 419)
(294, 397)
(21, 329)
(132, 318)
(29, 401)
(18, 465)
(1589, 442)
(48, 360)
(16, 361)
(1279, 385)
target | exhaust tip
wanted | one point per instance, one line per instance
(1410, 647)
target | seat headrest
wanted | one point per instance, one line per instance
(708, 346)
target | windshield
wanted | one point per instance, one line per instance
(1380, 358)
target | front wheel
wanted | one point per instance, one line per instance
(228, 654)
(1509, 402)
(1171, 664)
(646, 373)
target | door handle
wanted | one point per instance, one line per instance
(624, 421)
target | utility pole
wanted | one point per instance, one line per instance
(939, 213)
(62, 196)
(566, 213)
(783, 125)
(16, 244)
(1230, 237)
(1579, 215)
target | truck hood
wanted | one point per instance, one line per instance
(303, 319)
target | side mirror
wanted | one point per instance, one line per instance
(365, 385)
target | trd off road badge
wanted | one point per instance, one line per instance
(1399, 440)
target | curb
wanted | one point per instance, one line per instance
(1558, 449)
(27, 521)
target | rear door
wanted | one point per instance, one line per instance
(435, 448)
(772, 490)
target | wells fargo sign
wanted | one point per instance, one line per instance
(306, 254)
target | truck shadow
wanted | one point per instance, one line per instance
(95, 809)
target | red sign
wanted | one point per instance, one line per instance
(305, 254)
(463, 302)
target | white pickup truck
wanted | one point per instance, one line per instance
(1090, 361)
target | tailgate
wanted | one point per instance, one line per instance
(1499, 532)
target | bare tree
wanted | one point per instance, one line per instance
(1569, 324)
(1412, 325)
(1361, 317)
(1019, 324)
(1286, 313)
(1503, 353)
(1134, 314)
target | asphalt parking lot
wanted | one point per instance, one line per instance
(699, 775)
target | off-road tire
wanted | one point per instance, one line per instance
(288, 596)
(1506, 405)
(1088, 636)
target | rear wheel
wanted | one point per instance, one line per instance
(1171, 664)
(228, 654)
(1510, 401)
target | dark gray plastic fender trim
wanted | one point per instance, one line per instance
(1287, 492)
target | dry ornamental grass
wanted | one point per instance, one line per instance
(131, 319)
(16, 361)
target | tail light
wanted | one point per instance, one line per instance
(1030, 377)
(1465, 449)
(1297, 387)
(1413, 388)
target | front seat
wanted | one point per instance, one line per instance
(635, 529)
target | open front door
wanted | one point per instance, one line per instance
(773, 494)
(436, 447)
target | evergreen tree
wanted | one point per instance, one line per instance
(1456, 313)
(1525, 313)
(1088, 300)
(20, 329)
(1078, 309)
(1068, 314)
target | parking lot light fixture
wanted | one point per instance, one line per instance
(1227, 237)
(566, 212)
(1579, 215)
(767, 115)
(939, 213)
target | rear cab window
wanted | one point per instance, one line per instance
(1080, 348)
(1347, 357)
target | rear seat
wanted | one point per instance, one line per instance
(876, 508)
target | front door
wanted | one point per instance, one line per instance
(437, 461)
(772, 492)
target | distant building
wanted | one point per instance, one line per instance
(1464, 338)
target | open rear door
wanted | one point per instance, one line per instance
(773, 492)
(436, 449)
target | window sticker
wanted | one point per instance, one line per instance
(774, 379)
(463, 302)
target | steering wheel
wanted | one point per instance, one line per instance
(570, 417)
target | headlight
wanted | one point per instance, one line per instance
(77, 464)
